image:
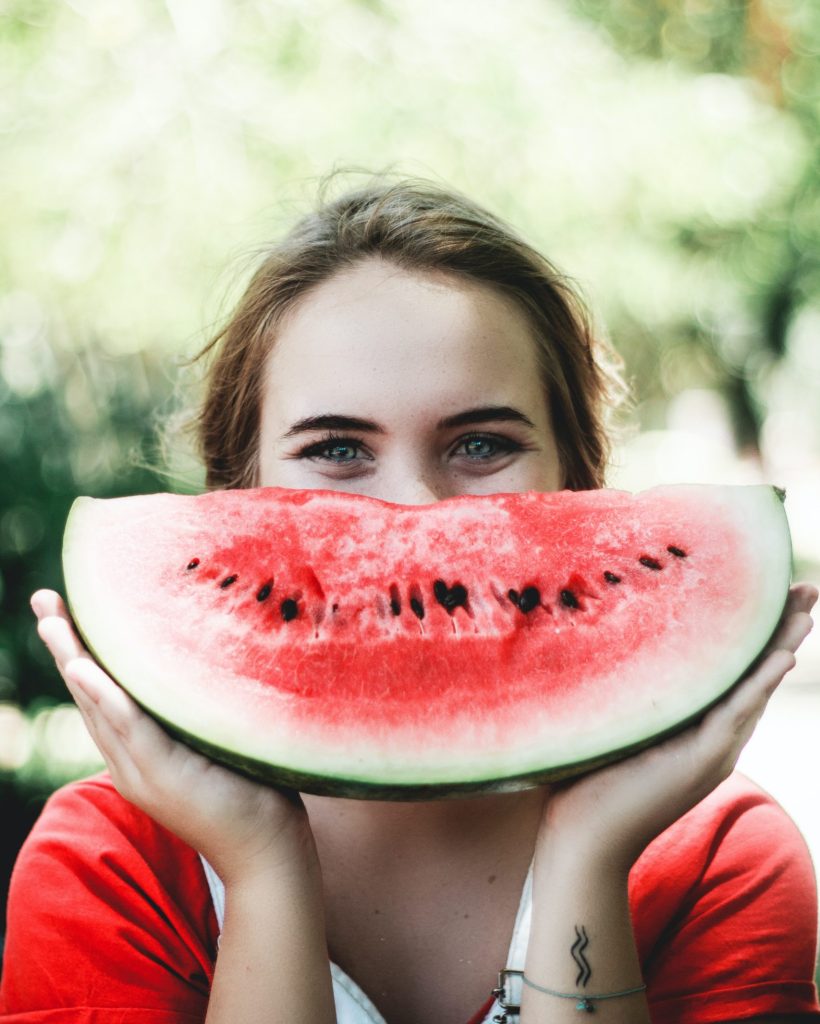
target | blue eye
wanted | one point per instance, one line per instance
(479, 447)
(341, 451)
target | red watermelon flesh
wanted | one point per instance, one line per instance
(347, 645)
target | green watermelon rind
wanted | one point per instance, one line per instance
(363, 789)
(484, 779)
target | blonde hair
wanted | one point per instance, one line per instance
(419, 226)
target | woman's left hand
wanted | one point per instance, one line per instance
(616, 811)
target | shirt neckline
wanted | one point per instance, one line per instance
(351, 1000)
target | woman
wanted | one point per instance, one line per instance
(403, 343)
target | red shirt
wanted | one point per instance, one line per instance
(110, 916)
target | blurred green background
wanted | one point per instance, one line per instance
(663, 152)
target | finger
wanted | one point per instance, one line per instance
(48, 602)
(103, 692)
(800, 601)
(61, 640)
(802, 598)
(69, 654)
(762, 683)
(793, 632)
(136, 750)
(123, 726)
(729, 725)
(110, 744)
(805, 595)
(95, 725)
(90, 717)
(112, 719)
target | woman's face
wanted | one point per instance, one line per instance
(409, 387)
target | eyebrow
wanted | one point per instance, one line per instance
(481, 414)
(486, 414)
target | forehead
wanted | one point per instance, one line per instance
(377, 334)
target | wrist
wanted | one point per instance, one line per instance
(581, 854)
(582, 947)
(285, 858)
(265, 892)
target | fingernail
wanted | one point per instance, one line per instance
(36, 607)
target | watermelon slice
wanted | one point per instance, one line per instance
(345, 645)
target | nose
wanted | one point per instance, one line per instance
(415, 490)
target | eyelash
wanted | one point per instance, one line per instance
(504, 444)
(316, 449)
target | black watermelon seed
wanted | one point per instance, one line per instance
(264, 592)
(677, 552)
(192, 564)
(610, 577)
(530, 598)
(418, 607)
(568, 599)
(650, 563)
(450, 597)
(289, 609)
(395, 600)
(227, 581)
(515, 597)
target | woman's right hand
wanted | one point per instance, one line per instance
(241, 827)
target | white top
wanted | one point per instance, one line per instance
(354, 1007)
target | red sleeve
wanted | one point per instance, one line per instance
(109, 918)
(725, 911)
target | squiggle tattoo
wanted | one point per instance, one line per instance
(578, 947)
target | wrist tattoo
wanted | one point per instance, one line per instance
(578, 947)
